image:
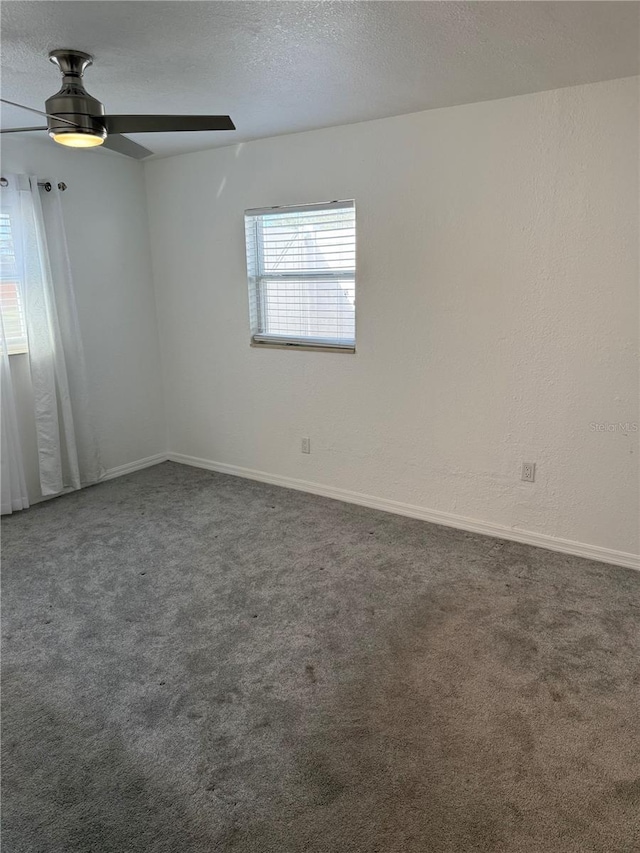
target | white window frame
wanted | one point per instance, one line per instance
(20, 345)
(255, 275)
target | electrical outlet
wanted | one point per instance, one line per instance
(306, 445)
(529, 471)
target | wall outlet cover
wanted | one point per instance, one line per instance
(529, 472)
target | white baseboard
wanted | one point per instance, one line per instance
(138, 465)
(540, 540)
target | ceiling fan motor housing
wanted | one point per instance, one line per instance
(73, 102)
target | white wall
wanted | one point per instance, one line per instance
(106, 221)
(497, 311)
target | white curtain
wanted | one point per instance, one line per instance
(68, 455)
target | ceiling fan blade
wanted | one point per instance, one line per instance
(22, 129)
(38, 112)
(166, 124)
(126, 146)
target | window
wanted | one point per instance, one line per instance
(11, 300)
(301, 264)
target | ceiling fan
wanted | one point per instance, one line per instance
(76, 119)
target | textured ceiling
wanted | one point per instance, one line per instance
(282, 67)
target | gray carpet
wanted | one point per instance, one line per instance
(196, 663)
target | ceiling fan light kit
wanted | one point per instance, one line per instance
(77, 119)
(74, 103)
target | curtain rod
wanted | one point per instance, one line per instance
(46, 184)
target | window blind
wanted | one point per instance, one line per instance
(11, 303)
(301, 265)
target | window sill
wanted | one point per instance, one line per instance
(18, 352)
(313, 346)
